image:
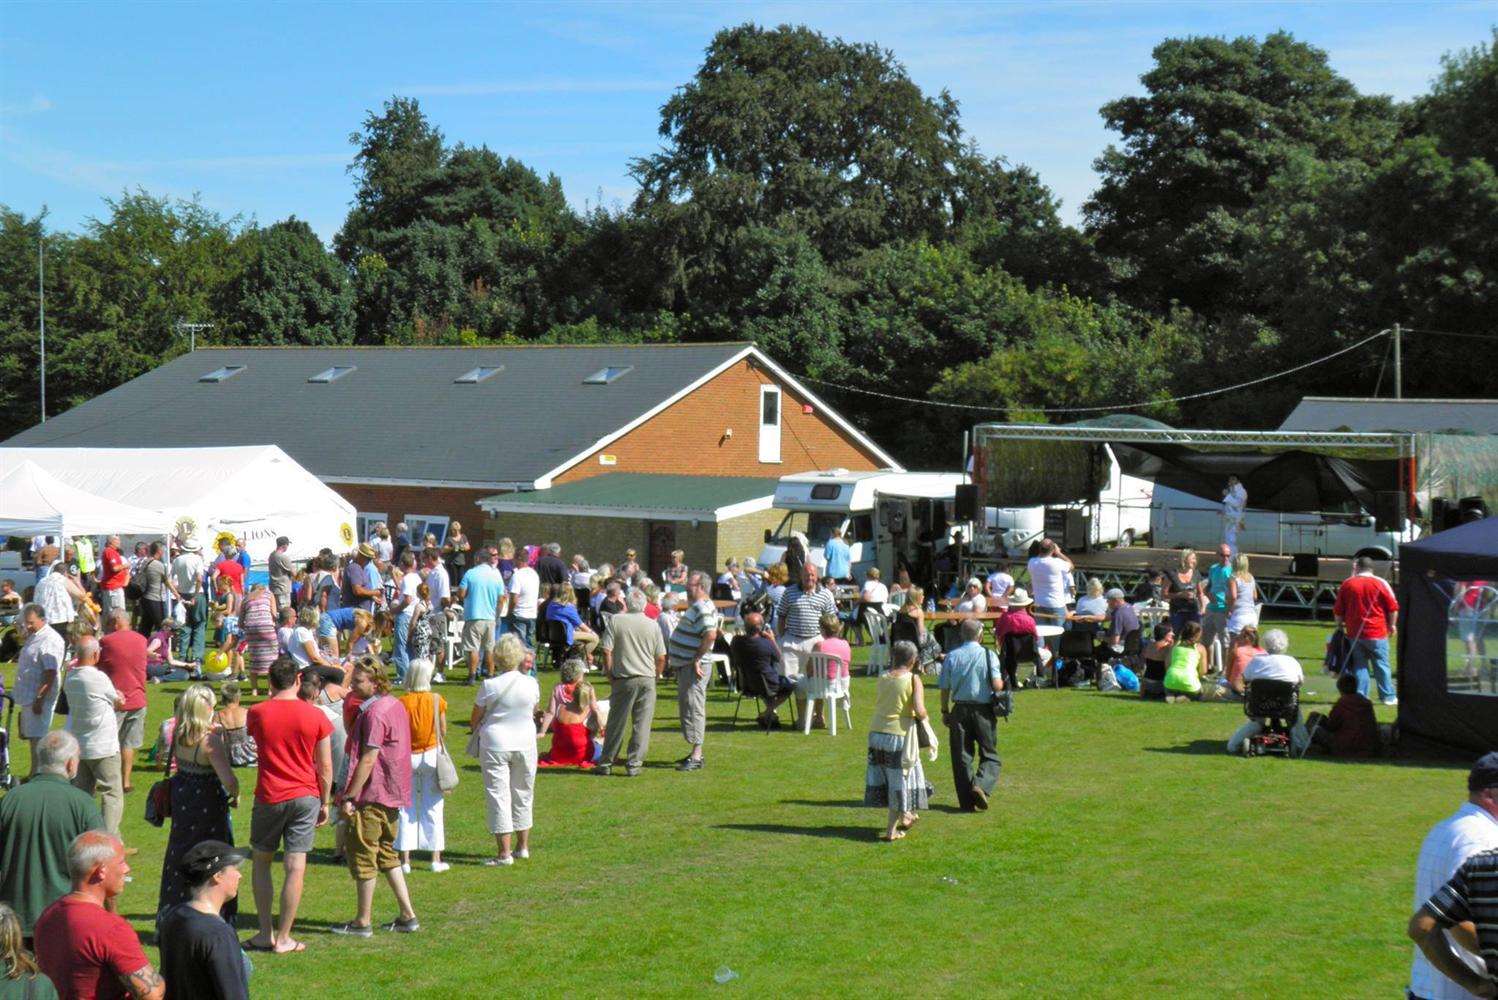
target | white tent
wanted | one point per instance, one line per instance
(32, 502)
(255, 493)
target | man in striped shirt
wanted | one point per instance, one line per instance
(800, 617)
(693, 639)
(1456, 882)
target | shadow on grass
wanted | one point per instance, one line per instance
(1398, 757)
(836, 803)
(857, 833)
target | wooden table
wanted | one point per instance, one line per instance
(957, 616)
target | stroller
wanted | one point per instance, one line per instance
(7, 780)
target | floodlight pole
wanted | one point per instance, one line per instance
(41, 310)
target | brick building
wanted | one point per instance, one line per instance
(423, 434)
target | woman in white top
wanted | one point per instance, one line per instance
(302, 646)
(972, 599)
(504, 717)
(1094, 607)
(1243, 597)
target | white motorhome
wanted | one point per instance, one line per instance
(1181, 520)
(878, 513)
(1120, 516)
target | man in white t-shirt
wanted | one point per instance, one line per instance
(1050, 574)
(999, 584)
(525, 594)
(187, 579)
(1234, 502)
(92, 704)
(404, 604)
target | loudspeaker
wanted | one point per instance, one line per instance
(1388, 510)
(1441, 511)
(1472, 509)
(1305, 564)
(966, 502)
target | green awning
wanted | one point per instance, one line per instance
(643, 495)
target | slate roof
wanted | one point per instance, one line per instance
(399, 416)
(1461, 416)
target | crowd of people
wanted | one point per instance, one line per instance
(355, 737)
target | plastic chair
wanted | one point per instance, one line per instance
(453, 640)
(879, 642)
(716, 662)
(820, 683)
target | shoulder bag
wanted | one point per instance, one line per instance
(159, 796)
(1002, 701)
(447, 771)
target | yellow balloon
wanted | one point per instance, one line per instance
(216, 662)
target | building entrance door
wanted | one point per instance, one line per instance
(662, 536)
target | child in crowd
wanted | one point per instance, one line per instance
(225, 618)
(1156, 653)
(572, 719)
(10, 602)
(1186, 666)
(833, 643)
(1350, 729)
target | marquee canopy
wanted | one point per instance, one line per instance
(255, 493)
(33, 502)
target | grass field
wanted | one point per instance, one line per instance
(1124, 855)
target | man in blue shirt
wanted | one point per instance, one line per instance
(482, 591)
(1215, 621)
(839, 558)
(970, 677)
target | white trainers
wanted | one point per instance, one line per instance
(1391, 701)
(438, 679)
(523, 853)
(508, 859)
(440, 866)
(405, 869)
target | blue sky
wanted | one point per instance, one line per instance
(250, 105)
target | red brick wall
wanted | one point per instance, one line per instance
(687, 437)
(398, 501)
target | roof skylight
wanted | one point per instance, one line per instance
(332, 374)
(476, 375)
(606, 375)
(222, 374)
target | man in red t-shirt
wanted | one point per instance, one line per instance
(1365, 609)
(122, 657)
(88, 952)
(291, 798)
(114, 574)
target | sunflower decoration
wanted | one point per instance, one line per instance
(346, 532)
(222, 537)
(185, 529)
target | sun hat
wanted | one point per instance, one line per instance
(367, 551)
(1020, 598)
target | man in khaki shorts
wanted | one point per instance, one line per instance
(482, 591)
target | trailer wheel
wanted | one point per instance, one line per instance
(1126, 540)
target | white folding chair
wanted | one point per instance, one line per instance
(819, 682)
(453, 641)
(717, 662)
(878, 626)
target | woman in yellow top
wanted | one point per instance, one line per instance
(421, 825)
(1187, 665)
(894, 778)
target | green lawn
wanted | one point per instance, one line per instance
(1124, 855)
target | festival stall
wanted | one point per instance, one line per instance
(32, 502)
(252, 493)
(1448, 637)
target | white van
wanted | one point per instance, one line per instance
(816, 503)
(1121, 516)
(1181, 520)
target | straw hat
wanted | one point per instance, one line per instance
(1020, 598)
(367, 551)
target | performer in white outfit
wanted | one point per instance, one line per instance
(1234, 501)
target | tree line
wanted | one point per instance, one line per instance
(1255, 212)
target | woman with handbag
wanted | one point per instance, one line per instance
(421, 822)
(201, 792)
(895, 778)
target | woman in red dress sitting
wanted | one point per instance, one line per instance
(573, 719)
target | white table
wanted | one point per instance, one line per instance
(1048, 631)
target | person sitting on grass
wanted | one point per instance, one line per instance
(1155, 654)
(570, 720)
(1186, 666)
(1350, 729)
(1245, 648)
(161, 663)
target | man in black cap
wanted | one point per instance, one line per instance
(1455, 883)
(200, 954)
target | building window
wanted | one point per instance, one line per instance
(365, 522)
(476, 375)
(769, 423)
(417, 526)
(606, 375)
(223, 374)
(331, 374)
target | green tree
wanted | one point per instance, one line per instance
(1459, 110)
(1218, 120)
(288, 289)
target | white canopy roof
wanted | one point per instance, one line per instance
(33, 502)
(255, 493)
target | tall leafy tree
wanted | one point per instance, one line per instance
(1218, 119)
(287, 289)
(1459, 110)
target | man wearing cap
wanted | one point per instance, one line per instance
(1465, 834)
(200, 953)
(282, 572)
(361, 583)
(1122, 618)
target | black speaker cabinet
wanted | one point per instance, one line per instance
(1305, 564)
(1388, 510)
(966, 502)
